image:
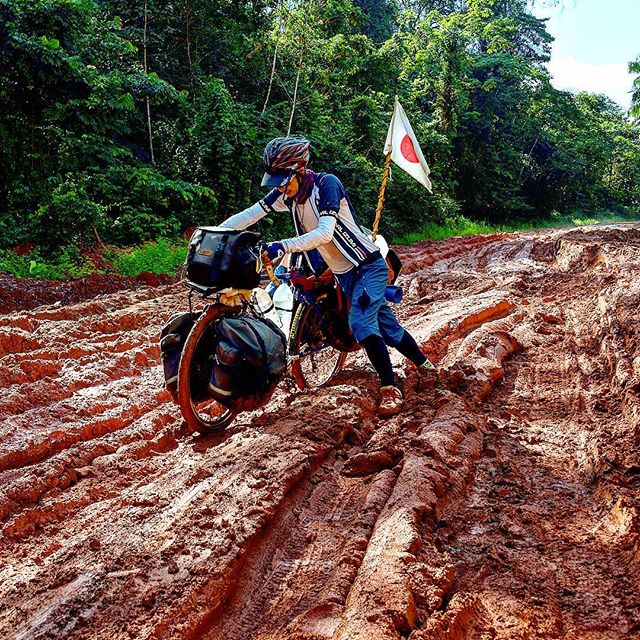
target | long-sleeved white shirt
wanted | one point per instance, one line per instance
(325, 221)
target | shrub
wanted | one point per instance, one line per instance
(159, 257)
(68, 263)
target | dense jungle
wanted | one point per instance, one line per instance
(126, 122)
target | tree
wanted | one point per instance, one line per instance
(73, 97)
(140, 119)
(634, 67)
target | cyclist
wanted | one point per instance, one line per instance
(325, 220)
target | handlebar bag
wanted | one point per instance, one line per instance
(220, 258)
(250, 360)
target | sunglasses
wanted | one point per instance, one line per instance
(285, 186)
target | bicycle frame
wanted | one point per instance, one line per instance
(302, 296)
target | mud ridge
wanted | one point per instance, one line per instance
(502, 503)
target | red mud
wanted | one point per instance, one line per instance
(17, 294)
(503, 503)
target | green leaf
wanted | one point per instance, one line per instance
(126, 100)
(52, 44)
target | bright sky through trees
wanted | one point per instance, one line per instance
(594, 42)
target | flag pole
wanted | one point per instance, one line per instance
(383, 188)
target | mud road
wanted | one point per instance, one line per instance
(503, 502)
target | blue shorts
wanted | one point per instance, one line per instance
(370, 314)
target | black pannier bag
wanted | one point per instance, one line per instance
(250, 360)
(219, 258)
(172, 339)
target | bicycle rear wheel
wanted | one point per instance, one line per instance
(201, 412)
(314, 361)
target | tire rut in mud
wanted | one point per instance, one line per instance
(547, 540)
(312, 519)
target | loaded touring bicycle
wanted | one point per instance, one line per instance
(229, 356)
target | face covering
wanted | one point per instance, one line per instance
(305, 187)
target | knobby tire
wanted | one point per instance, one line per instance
(316, 368)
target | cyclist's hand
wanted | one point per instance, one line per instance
(266, 260)
(275, 250)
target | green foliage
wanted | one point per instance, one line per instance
(77, 158)
(68, 263)
(580, 222)
(134, 121)
(634, 67)
(160, 257)
(223, 141)
(455, 226)
(69, 214)
(461, 226)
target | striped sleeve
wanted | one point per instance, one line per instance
(322, 234)
(274, 201)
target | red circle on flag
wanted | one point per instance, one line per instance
(407, 150)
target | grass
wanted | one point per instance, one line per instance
(69, 263)
(461, 226)
(165, 257)
(161, 257)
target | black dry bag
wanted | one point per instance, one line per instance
(219, 258)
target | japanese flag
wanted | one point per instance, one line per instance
(404, 148)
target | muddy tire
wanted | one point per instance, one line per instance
(315, 362)
(203, 415)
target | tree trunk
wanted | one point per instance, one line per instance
(273, 73)
(295, 91)
(144, 51)
(187, 20)
(282, 31)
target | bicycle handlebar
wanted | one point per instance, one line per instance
(292, 275)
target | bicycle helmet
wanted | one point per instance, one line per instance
(283, 157)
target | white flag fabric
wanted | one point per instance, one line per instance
(404, 148)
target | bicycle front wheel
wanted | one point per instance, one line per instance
(200, 411)
(314, 361)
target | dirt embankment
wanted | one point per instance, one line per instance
(503, 503)
(17, 294)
